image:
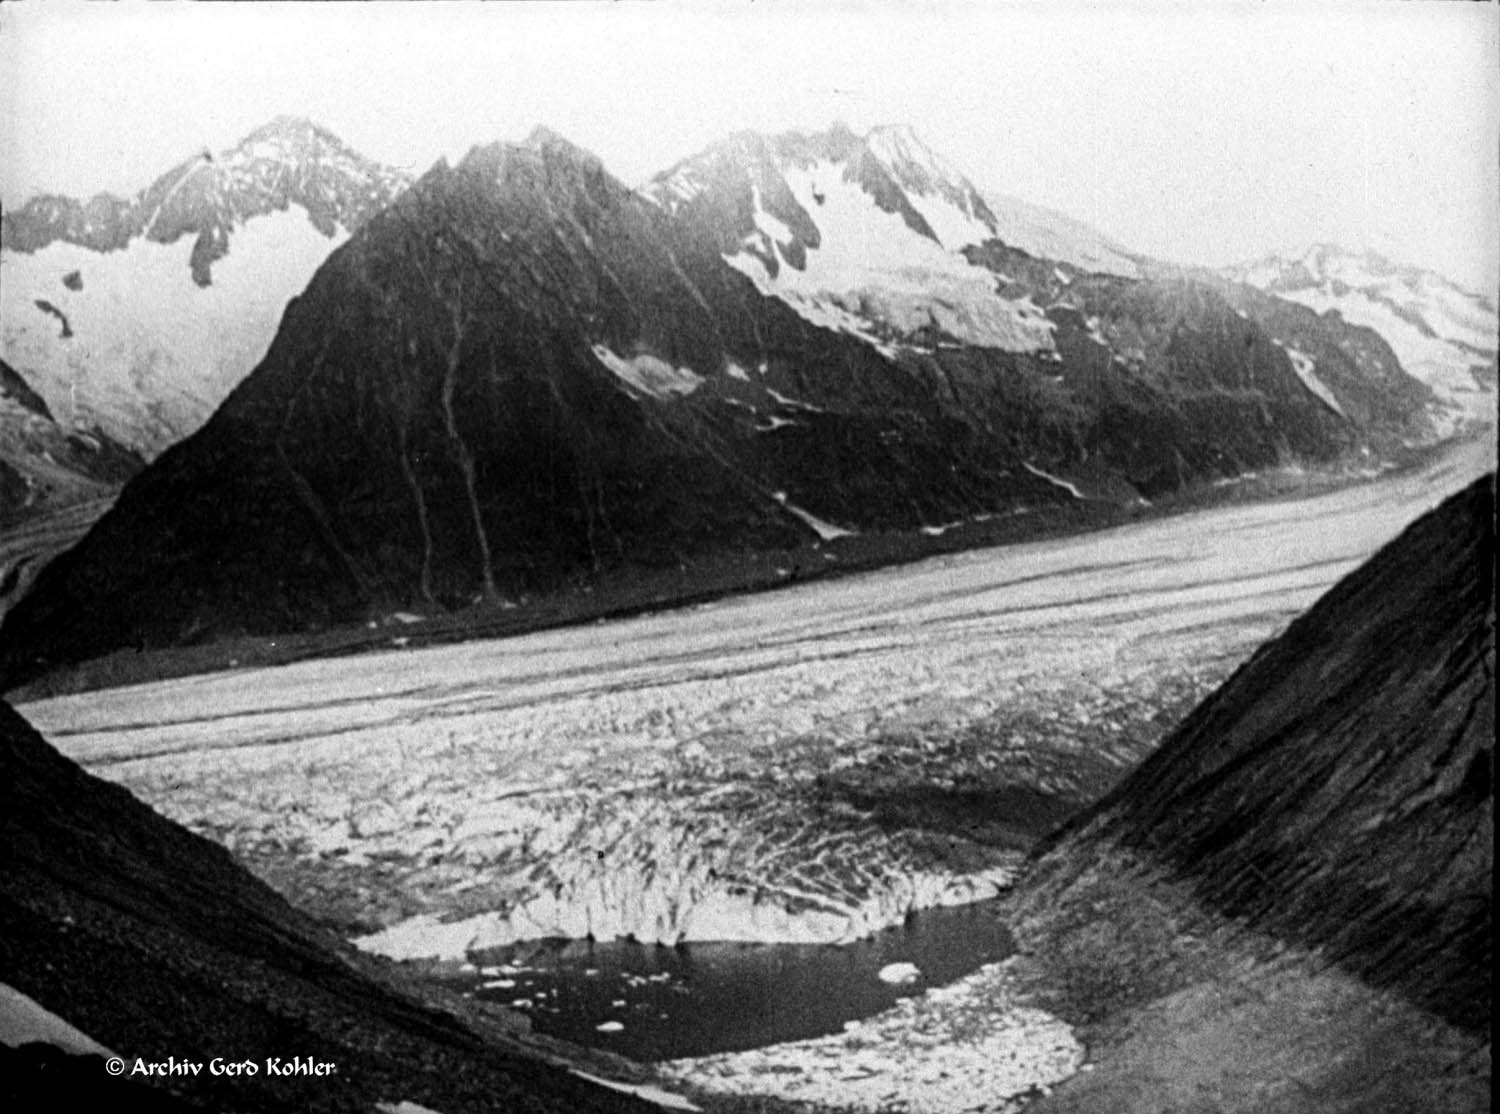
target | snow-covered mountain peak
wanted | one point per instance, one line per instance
(950, 205)
(862, 234)
(158, 304)
(1443, 334)
(902, 152)
(293, 140)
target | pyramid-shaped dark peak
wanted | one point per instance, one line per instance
(544, 160)
(292, 127)
(551, 144)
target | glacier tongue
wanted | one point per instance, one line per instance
(659, 872)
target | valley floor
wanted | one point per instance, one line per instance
(802, 765)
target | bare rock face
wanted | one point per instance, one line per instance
(1338, 791)
(154, 943)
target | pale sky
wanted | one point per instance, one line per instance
(1195, 132)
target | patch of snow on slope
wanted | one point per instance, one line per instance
(772, 226)
(899, 150)
(648, 374)
(1430, 359)
(1048, 234)
(871, 270)
(25, 1021)
(774, 423)
(1306, 368)
(795, 403)
(953, 227)
(825, 530)
(152, 354)
(1071, 489)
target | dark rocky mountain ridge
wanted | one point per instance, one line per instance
(522, 374)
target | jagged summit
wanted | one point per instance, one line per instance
(544, 138)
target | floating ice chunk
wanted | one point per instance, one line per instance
(899, 974)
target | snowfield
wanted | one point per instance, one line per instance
(871, 272)
(777, 767)
(149, 370)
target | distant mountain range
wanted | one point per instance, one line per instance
(1443, 335)
(520, 375)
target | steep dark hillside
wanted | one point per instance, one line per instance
(44, 465)
(155, 944)
(1338, 791)
(523, 375)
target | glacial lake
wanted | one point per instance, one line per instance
(651, 1002)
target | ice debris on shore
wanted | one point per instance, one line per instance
(967, 1048)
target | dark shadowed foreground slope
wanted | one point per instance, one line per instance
(1288, 906)
(155, 944)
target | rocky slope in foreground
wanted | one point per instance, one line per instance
(155, 944)
(1288, 906)
(523, 377)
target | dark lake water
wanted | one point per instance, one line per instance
(658, 1003)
